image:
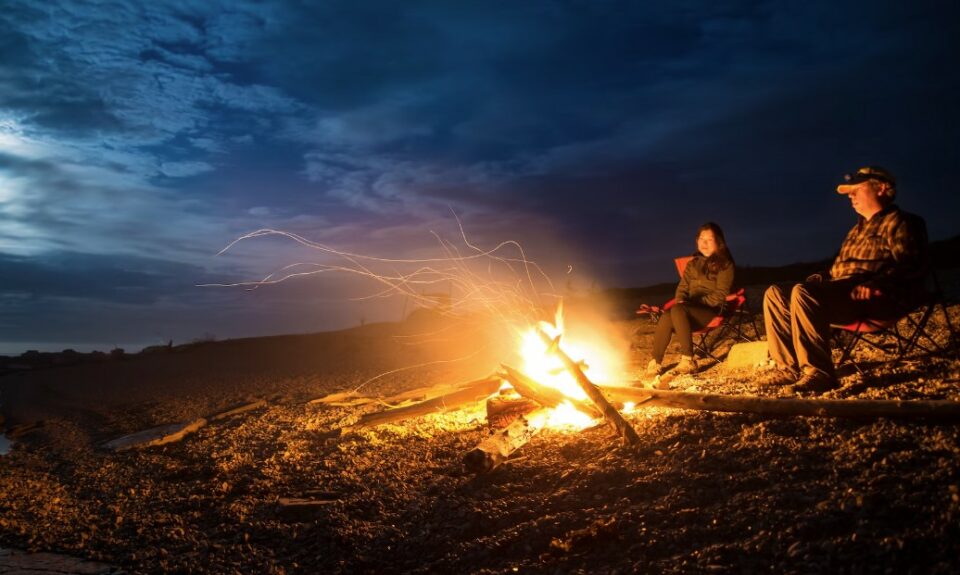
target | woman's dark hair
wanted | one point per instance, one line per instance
(720, 258)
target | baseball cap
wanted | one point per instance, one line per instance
(862, 175)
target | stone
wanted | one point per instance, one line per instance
(748, 354)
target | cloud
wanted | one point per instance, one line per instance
(98, 106)
(164, 130)
(127, 280)
(184, 169)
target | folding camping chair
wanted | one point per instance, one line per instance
(901, 336)
(732, 320)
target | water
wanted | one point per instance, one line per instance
(5, 445)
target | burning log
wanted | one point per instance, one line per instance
(503, 409)
(495, 449)
(948, 410)
(610, 414)
(545, 396)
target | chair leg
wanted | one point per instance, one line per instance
(953, 342)
(709, 341)
(846, 348)
(916, 336)
(919, 331)
(753, 324)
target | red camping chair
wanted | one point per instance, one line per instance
(900, 336)
(731, 320)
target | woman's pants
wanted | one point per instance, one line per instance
(682, 318)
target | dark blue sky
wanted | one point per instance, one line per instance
(138, 139)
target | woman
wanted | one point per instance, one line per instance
(700, 297)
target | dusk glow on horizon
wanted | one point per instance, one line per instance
(137, 140)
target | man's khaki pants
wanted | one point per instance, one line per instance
(798, 326)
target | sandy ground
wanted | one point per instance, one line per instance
(705, 492)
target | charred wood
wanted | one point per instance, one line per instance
(494, 450)
(503, 409)
(542, 394)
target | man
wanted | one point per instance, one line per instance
(878, 273)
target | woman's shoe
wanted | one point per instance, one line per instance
(686, 366)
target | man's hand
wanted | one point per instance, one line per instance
(863, 292)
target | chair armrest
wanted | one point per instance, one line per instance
(649, 309)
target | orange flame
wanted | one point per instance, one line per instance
(547, 369)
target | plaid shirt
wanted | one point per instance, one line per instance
(888, 251)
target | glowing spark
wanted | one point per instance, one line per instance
(499, 283)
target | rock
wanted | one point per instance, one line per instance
(749, 354)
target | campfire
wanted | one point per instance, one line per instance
(553, 390)
(554, 386)
(560, 382)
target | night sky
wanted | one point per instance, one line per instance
(137, 139)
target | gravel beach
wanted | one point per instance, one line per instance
(705, 491)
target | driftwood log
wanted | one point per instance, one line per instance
(495, 449)
(627, 433)
(473, 392)
(352, 398)
(853, 408)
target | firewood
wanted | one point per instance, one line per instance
(939, 409)
(495, 449)
(352, 398)
(503, 409)
(471, 393)
(542, 394)
(610, 414)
